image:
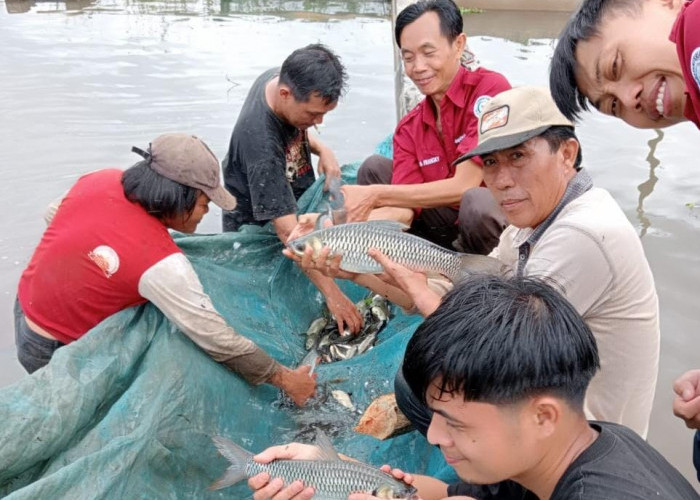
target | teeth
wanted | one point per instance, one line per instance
(660, 98)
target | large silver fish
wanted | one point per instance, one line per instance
(331, 477)
(353, 241)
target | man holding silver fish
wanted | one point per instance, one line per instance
(504, 365)
(567, 232)
(268, 164)
(442, 200)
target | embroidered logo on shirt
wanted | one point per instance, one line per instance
(480, 104)
(106, 259)
(428, 161)
(695, 66)
(494, 119)
(459, 139)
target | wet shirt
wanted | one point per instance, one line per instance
(420, 153)
(686, 35)
(617, 465)
(268, 165)
(89, 261)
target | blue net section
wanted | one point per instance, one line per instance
(128, 411)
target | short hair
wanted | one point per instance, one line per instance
(314, 69)
(583, 25)
(451, 22)
(158, 195)
(558, 134)
(501, 340)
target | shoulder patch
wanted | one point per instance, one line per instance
(695, 66)
(480, 104)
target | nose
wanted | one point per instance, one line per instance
(436, 435)
(500, 178)
(630, 95)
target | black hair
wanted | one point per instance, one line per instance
(501, 340)
(558, 134)
(160, 196)
(583, 25)
(451, 22)
(314, 69)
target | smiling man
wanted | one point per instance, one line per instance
(636, 60)
(442, 202)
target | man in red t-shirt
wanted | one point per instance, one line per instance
(421, 187)
(107, 248)
(636, 60)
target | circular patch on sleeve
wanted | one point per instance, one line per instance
(480, 104)
(695, 66)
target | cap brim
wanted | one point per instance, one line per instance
(500, 143)
(222, 198)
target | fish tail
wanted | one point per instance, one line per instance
(237, 456)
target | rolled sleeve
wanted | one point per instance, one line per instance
(173, 286)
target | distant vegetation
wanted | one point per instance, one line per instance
(468, 10)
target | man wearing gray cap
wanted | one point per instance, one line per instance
(110, 238)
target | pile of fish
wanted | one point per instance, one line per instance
(325, 341)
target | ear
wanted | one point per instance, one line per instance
(284, 91)
(460, 42)
(569, 151)
(546, 413)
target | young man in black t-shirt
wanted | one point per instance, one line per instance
(504, 364)
(268, 165)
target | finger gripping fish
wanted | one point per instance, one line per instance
(354, 240)
(331, 477)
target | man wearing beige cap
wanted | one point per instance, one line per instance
(107, 247)
(568, 232)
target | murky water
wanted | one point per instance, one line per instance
(83, 81)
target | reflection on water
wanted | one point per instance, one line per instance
(647, 187)
(83, 82)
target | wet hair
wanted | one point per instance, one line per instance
(160, 196)
(451, 22)
(583, 25)
(557, 135)
(501, 340)
(314, 69)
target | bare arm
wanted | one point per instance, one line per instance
(327, 162)
(339, 305)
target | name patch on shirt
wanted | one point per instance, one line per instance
(459, 139)
(429, 161)
(480, 104)
(106, 259)
(695, 66)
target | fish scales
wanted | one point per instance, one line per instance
(331, 480)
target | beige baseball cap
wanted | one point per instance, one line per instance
(184, 158)
(513, 117)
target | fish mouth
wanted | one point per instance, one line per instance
(297, 246)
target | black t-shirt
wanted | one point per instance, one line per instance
(619, 465)
(268, 164)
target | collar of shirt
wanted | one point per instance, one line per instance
(528, 237)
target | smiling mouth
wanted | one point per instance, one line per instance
(506, 204)
(660, 97)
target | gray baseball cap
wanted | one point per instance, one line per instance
(513, 117)
(184, 158)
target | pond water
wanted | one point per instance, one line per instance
(84, 80)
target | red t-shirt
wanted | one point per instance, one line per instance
(686, 35)
(419, 153)
(90, 259)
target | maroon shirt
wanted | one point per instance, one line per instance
(419, 154)
(686, 35)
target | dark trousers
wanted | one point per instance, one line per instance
(33, 350)
(474, 228)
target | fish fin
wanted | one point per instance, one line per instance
(478, 264)
(389, 225)
(238, 458)
(326, 446)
